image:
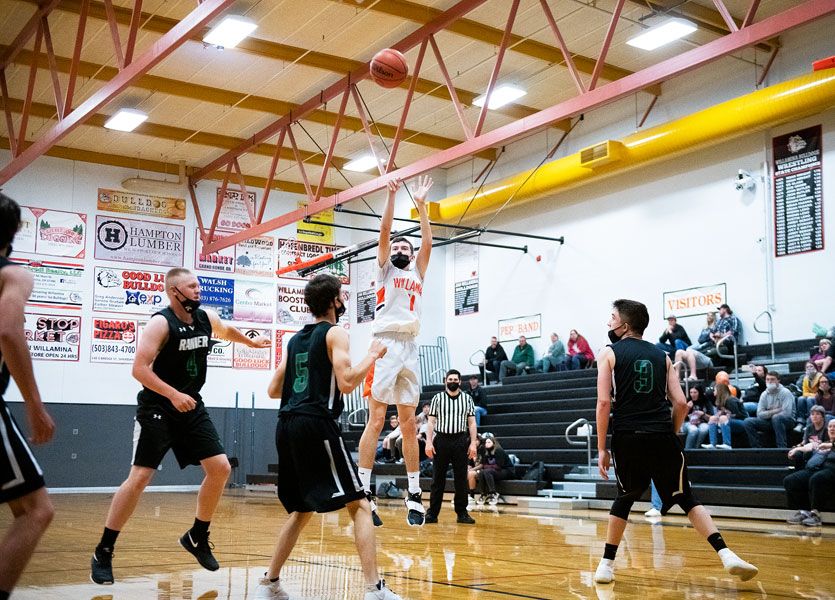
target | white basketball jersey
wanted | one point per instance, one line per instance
(399, 296)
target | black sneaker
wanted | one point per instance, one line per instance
(201, 549)
(101, 567)
(416, 514)
(465, 518)
(430, 518)
(375, 518)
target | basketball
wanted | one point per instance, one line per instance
(389, 68)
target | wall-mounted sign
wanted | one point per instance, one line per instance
(147, 242)
(695, 301)
(57, 285)
(51, 232)
(510, 329)
(141, 204)
(53, 337)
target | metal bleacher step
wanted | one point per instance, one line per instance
(570, 489)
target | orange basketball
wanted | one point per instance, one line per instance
(389, 68)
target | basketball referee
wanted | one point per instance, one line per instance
(451, 438)
(645, 446)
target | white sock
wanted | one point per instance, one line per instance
(414, 482)
(365, 478)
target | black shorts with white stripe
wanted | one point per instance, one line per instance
(191, 435)
(20, 473)
(315, 470)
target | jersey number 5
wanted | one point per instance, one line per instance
(644, 376)
(302, 375)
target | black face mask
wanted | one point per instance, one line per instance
(188, 304)
(614, 337)
(339, 310)
(400, 260)
(9, 251)
(453, 386)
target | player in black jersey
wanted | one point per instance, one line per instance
(645, 446)
(315, 470)
(171, 366)
(21, 479)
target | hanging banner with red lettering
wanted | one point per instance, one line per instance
(695, 301)
(53, 337)
(245, 357)
(233, 212)
(511, 329)
(132, 291)
(293, 313)
(291, 251)
(146, 242)
(282, 338)
(142, 204)
(57, 285)
(51, 232)
(252, 257)
(113, 340)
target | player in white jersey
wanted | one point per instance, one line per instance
(394, 377)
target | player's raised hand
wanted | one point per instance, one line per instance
(377, 349)
(421, 188)
(393, 186)
(260, 341)
(40, 424)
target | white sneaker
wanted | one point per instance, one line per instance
(725, 447)
(652, 512)
(384, 593)
(470, 502)
(736, 566)
(605, 572)
(269, 590)
(493, 499)
(708, 446)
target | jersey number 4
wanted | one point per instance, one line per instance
(644, 376)
(302, 375)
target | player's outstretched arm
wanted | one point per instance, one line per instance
(420, 191)
(605, 366)
(676, 396)
(16, 287)
(347, 376)
(277, 382)
(224, 331)
(384, 247)
(151, 342)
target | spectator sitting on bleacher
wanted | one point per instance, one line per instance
(477, 394)
(554, 357)
(494, 356)
(729, 417)
(751, 397)
(808, 384)
(695, 425)
(775, 412)
(724, 378)
(726, 331)
(809, 489)
(704, 336)
(826, 398)
(814, 434)
(579, 352)
(673, 338)
(825, 358)
(492, 465)
(694, 358)
(386, 449)
(522, 360)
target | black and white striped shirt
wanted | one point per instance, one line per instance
(451, 412)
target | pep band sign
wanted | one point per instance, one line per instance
(695, 301)
(529, 326)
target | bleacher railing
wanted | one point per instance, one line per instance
(583, 430)
(356, 410)
(434, 362)
(734, 356)
(769, 331)
(477, 359)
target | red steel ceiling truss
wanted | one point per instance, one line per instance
(130, 69)
(589, 96)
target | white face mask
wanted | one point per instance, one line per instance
(771, 386)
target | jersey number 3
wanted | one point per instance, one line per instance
(644, 376)
(302, 375)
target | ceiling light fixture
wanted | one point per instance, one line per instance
(126, 119)
(366, 162)
(662, 34)
(230, 31)
(503, 94)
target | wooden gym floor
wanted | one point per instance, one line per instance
(506, 555)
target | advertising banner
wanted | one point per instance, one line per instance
(57, 285)
(145, 242)
(233, 212)
(218, 293)
(141, 204)
(134, 291)
(113, 340)
(252, 358)
(291, 251)
(253, 301)
(53, 337)
(51, 232)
